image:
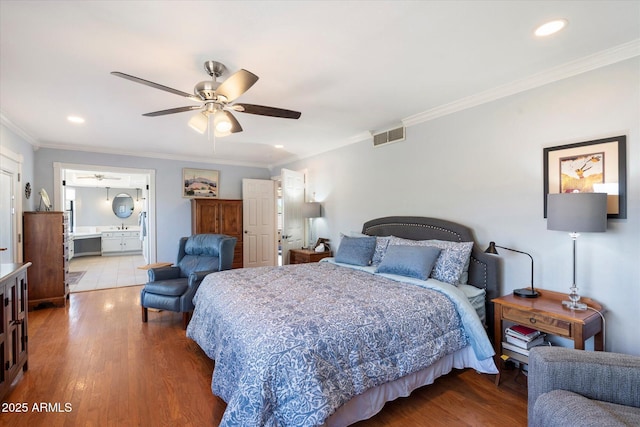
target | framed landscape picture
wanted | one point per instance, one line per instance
(200, 183)
(598, 166)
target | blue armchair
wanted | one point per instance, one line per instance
(173, 288)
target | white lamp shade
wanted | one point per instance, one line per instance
(222, 124)
(577, 212)
(311, 210)
(199, 123)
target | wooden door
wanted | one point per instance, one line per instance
(219, 216)
(205, 216)
(231, 224)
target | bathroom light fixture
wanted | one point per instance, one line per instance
(107, 194)
(550, 27)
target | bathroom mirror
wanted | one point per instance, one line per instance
(122, 205)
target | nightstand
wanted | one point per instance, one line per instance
(547, 314)
(301, 256)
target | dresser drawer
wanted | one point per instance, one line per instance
(537, 321)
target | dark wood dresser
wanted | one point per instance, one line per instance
(46, 246)
(13, 323)
(219, 216)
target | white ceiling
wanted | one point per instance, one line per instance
(350, 67)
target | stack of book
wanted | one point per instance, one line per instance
(518, 340)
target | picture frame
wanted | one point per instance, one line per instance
(200, 183)
(592, 166)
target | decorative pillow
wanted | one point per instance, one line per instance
(381, 248)
(456, 252)
(410, 261)
(356, 250)
(381, 245)
(451, 263)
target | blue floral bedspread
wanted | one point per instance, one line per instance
(292, 344)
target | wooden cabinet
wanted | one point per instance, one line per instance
(301, 256)
(46, 246)
(219, 216)
(13, 323)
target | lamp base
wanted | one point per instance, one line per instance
(526, 293)
(573, 305)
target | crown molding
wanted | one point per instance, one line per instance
(588, 63)
(4, 120)
(150, 155)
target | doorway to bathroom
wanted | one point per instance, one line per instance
(112, 220)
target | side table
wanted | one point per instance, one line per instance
(547, 314)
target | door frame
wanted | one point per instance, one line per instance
(15, 161)
(58, 196)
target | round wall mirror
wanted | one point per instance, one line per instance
(122, 205)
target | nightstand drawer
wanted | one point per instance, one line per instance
(537, 321)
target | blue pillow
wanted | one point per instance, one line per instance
(356, 250)
(410, 261)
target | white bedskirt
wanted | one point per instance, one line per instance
(371, 401)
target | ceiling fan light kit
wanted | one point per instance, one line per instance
(215, 100)
(199, 123)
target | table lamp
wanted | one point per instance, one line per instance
(524, 292)
(575, 213)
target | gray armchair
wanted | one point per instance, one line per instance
(570, 387)
(173, 288)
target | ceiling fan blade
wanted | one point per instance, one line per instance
(156, 85)
(262, 110)
(235, 124)
(172, 111)
(236, 84)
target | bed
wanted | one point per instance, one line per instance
(329, 343)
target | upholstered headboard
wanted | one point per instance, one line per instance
(483, 268)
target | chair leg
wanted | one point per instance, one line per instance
(186, 317)
(144, 314)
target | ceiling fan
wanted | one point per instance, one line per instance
(215, 100)
(98, 176)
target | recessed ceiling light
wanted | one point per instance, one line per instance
(550, 27)
(279, 146)
(75, 119)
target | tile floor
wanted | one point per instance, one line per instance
(103, 272)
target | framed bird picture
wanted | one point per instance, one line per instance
(597, 166)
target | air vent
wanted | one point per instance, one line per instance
(387, 137)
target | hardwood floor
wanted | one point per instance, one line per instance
(94, 363)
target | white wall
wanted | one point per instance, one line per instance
(92, 208)
(11, 141)
(483, 167)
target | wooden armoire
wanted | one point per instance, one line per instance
(219, 216)
(46, 247)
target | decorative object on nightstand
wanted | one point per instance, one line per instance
(523, 292)
(311, 210)
(576, 212)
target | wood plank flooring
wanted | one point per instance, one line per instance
(94, 363)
